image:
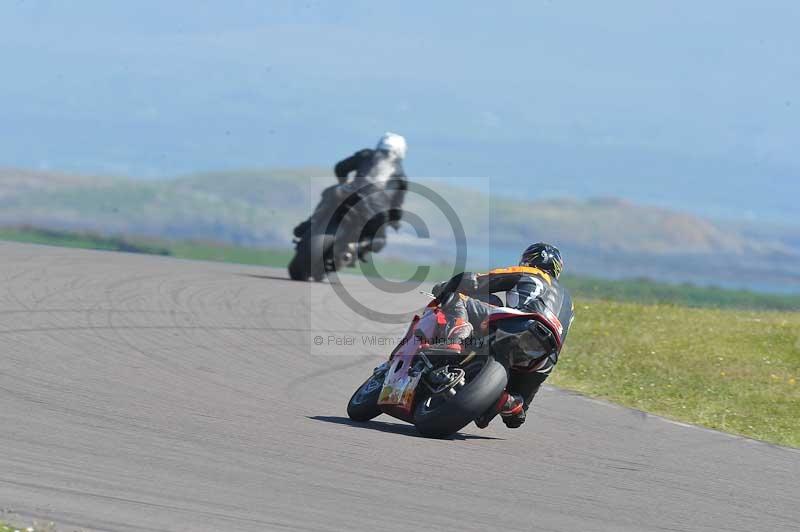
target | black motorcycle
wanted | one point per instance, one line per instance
(330, 239)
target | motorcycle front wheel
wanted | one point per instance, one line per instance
(363, 405)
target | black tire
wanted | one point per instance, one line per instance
(309, 258)
(317, 246)
(363, 405)
(440, 418)
(300, 266)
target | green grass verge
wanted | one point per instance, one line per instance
(735, 371)
(651, 292)
(80, 240)
(35, 527)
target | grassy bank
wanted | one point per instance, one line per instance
(651, 292)
(35, 527)
(70, 239)
(735, 371)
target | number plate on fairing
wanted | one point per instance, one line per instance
(398, 388)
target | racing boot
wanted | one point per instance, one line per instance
(364, 250)
(458, 329)
(370, 245)
(348, 256)
(513, 413)
(456, 335)
(510, 407)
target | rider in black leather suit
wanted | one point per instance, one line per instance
(381, 184)
(530, 287)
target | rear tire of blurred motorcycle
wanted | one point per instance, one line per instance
(300, 266)
(317, 246)
(309, 258)
(363, 405)
(440, 417)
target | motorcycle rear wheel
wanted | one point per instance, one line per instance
(309, 258)
(440, 417)
(298, 267)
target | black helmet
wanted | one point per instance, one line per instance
(543, 256)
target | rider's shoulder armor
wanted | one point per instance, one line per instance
(521, 271)
(376, 167)
(530, 289)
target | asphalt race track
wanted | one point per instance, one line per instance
(147, 393)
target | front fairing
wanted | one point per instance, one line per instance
(399, 387)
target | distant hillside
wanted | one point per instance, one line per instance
(604, 237)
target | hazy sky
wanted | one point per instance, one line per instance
(688, 104)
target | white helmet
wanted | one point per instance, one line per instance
(394, 144)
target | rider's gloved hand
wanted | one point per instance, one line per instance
(466, 282)
(444, 294)
(437, 289)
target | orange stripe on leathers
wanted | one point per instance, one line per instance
(521, 269)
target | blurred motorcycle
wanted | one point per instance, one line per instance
(329, 240)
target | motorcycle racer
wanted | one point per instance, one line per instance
(381, 183)
(530, 287)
